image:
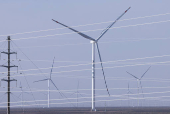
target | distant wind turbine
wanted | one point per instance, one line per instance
(139, 81)
(129, 92)
(94, 42)
(77, 92)
(49, 80)
(22, 96)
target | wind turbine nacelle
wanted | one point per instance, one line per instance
(92, 41)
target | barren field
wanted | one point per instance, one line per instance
(82, 110)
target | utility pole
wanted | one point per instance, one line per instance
(8, 80)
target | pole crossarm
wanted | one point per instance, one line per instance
(8, 80)
(9, 52)
(8, 66)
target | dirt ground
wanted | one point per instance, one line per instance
(87, 110)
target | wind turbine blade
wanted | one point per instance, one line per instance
(62, 94)
(19, 94)
(82, 34)
(130, 92)
(80, 94)
(132, 75)
(40, 80)
(73, 93)
(102, 67)
(43, 93)
(52, 67)
(105, 30)
(56, 87)
(141, 88)
(26, 93)
(145, 72)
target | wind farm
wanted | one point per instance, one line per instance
(74, 57)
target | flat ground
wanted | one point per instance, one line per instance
(83, 110)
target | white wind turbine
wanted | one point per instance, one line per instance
(139, 81)
(22, 96)
(129, 92)
(49, 80)
(94, 41)
(77, 93)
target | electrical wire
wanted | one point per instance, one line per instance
(95, 63)
(87, 24)
(73, 90)
(68, 71)
(29, 88)
(113, 99)
(102, 62)
(92, 30)
(134, 40)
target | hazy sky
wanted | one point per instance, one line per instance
(147, 40)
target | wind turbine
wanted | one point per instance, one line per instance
(139, 81)
(22, 96)
(77, 93)
(49, 80)
(94, 42)
(129, 92)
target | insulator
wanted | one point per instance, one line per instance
(16, 55)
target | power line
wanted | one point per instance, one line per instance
(148, 98)
(95, 63)
(110, 78)
(41, 72)
(94, 30)
(29, 87)
(30, 60)
(91, 30)
(73, 90)
(154, 63)
(126, 40)
(86, 24)
(106, 96)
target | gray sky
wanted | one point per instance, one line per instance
(71, 49)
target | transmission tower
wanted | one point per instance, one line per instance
(8, 80)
